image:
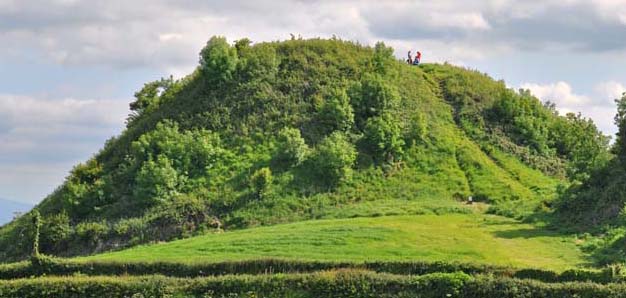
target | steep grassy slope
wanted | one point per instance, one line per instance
(306, 129)
(469, 238)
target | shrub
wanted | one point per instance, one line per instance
(92, 232)
(218, 60)
(336, 113)
(371, 97)
(156, 181)
(55, 229)
(382, 137)
(333, 159)
(261, 182)
(291, 149)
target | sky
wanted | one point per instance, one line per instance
(69, 68)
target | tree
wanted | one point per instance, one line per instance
(383, 58)
(218, 60)
(261, 181)
(333, 159)
(149, 95)
(336, 113)
(36, 234)
(55, 230)
(620, 121)
(291, 149)
(156, 181)
(382, 137)
(371, 97)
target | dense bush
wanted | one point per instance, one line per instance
(218, 59)
(333, 159)
(336, 112)
(261, 182)
(371, 97)
(291, 148)
(382, 137)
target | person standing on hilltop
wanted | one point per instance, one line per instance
(410, 59)
(418, 57)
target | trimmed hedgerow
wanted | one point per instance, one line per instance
(335, 284)
(46, 266)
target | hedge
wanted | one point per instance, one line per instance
(53, 266)
(326, 284)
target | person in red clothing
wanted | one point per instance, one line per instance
(418, 57)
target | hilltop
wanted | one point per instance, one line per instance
(278, 132)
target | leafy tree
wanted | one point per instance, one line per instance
(148, 96)
(371, 97)
(190, 152)
(333, 159)
(382, 137)
(37, 228)
(56, 228)
(383, 58)
(291, 149)
(581, 142)
(156, 181)
(218, 60)
(258, 64)
(620, 121)
(261, 182)
(336, 113)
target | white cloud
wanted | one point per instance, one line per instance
(40, 140)
(609, 91)
(598, 106)
(560, 93)
(169, 34)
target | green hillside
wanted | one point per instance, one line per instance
(464, 238)
(282, 132)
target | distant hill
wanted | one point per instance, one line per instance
(278, 132)
(7, 209)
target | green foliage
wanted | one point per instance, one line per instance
(92, 232)
(335, 284)
(619, 147)
(417, 129)
(37, 228)
(332, 160)
(56, 228)
(291, 148)
(157, 181)
(382, 137)
(218, 60)
(383, 58)
(148, 97)
(336, 113)
(261, 182)
(372, 96)
(182, 165)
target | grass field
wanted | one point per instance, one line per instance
(473, 238)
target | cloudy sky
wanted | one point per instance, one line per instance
(68, 68)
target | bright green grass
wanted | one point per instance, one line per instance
(473, 238)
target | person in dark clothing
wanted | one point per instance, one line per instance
(410, 59)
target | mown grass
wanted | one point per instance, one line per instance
(476, 238)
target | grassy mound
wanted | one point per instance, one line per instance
(282, 132)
